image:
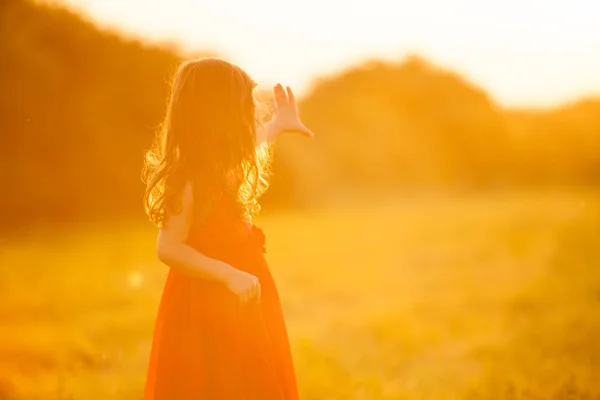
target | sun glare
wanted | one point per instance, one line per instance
(135, 279)
(519, 54)
(437, 238)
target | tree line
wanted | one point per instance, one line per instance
(79, 107)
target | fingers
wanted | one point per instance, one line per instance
(256, 291)
(253, 292)
(281, 98)
(246, 296)
(291, 97)
(305, 131)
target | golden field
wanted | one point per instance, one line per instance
(465, 297)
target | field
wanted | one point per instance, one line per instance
(467, 297)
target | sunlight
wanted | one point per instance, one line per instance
(522, 56)
(434, 239)
(135, 279)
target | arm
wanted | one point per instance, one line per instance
(266, 133)
(174, 252)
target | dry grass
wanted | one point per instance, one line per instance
(471, 298)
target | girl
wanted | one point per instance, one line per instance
(220, 332)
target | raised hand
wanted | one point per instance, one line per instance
(285, 117)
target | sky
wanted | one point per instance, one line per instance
(531, 53)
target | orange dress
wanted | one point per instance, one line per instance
(208, 346)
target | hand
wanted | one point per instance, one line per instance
(244, 285)
(285, 117)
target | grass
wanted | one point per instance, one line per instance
(455, 298)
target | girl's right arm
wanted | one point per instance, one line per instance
(174, 252)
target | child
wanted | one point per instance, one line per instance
(220, 332)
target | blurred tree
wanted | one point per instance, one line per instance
(408, 124)
(79, 107)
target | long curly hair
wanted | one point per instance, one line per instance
(208, 138)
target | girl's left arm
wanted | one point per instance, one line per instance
(266, 133)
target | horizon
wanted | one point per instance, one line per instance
(539, 65)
